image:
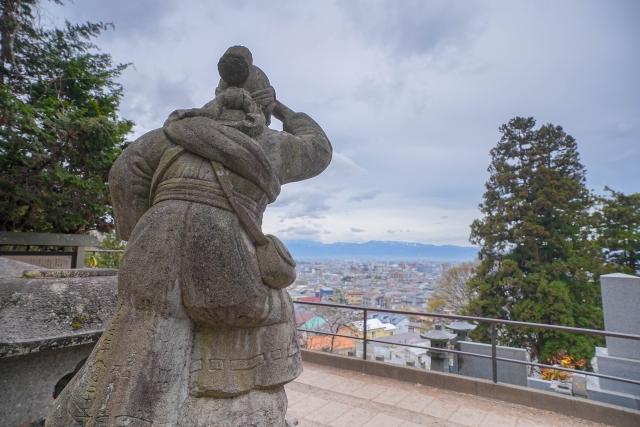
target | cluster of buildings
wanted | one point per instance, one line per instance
(384, 284)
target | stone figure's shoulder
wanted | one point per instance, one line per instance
(154, 139)
(148, 148)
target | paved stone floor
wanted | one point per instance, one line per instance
(325, 396)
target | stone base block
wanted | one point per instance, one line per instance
(613, 398)
(539, 384)
(619, 367)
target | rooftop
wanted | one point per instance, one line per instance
(404, 338)
(373, 324)
(327, 396)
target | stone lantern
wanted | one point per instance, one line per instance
(461, 329)
(439, 338)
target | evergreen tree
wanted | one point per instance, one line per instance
(619, 230)
(538, 263)
(59, 128)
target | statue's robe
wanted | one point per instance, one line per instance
(196, 330)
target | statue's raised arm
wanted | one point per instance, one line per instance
(302, 150)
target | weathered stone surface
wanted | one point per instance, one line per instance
(198, 338)
(620, 303)
(255, 408)
(47, 326)
(12, 268)
(53, 313)
(68, 272)
(28, 382)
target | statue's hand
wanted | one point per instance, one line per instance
(265, 97)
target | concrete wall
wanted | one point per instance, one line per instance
(27, 382)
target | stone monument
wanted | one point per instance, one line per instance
(621, 357)
(203, 334)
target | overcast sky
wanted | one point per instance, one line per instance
(410, 93)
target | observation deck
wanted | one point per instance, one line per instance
(329, 396)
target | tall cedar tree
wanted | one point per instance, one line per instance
(619, 230)
(59, 127)
(538, 263)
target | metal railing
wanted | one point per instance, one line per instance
(493, 332)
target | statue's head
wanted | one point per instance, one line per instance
(236, 69)
(234, 66)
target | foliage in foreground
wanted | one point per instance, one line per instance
(108, 259)
(563, 360)
(59, 128)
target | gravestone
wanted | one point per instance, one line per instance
(508, 372)
(204, 331)
(621, 357)
(621, 306)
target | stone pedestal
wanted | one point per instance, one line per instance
(618, 367)
(439, 362)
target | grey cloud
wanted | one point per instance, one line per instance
(151, 102)
(299, 232)
(410, 93)
(130, 18)
(414, 26)
(303, 230)
(361, 197)
(302, 201)
(344, 165)
(357, 230)
(139, 17)
(398, 231)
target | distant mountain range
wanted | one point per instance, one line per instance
(379, 250)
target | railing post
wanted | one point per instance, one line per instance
(364, 330)
(494, 362)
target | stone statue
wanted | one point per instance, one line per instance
(198, 338)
